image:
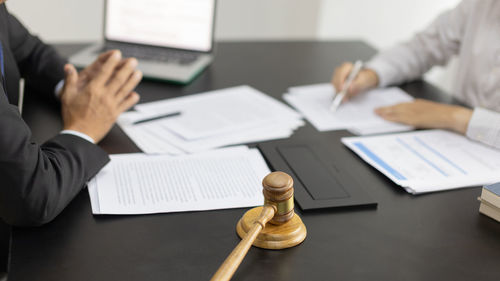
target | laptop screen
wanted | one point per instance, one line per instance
(182, 24)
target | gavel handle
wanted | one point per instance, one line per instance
(233, 261)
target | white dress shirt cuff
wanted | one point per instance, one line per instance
(58, 89)
(78, 134)
(383, 69)
(484, 126)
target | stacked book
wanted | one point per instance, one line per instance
(490, 201)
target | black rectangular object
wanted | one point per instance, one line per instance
(321, 185)
(320, 179)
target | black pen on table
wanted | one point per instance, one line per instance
(158, 117)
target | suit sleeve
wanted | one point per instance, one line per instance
(37, 182)
(39, 63)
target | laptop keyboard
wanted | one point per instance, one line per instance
(152, 53)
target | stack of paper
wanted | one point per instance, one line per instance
(427, 161)
(145, 184)
(356, 115)
(209, 120)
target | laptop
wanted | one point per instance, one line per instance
(172, 39)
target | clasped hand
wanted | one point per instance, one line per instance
(93, 99)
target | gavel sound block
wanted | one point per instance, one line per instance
(284, 230)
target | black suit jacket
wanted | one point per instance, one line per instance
(36, 181)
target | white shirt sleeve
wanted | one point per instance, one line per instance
(57, 90)
(78, 134)
(484, 126)
(433, 46)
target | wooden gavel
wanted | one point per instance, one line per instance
(285, 228)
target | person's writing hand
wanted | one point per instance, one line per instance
(365, 80)
(93, 99)
(427, 114)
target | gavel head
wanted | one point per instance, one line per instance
(278, 192)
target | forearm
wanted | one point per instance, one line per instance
(39, 181)
(457, 118)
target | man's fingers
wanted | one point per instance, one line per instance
(104, 56)
(340, 75)
(130, 100)
(108, 68)
(70, 80)
(123, 62)
(96, 64)
(89, 72)
(132, 82)
(71, 75)
(122, 75)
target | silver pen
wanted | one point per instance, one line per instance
(339, 97)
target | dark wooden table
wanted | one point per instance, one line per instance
(438, 236)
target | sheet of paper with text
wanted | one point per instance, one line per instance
(143, 184)
(431, 160)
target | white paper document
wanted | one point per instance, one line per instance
(431, 160)
(144, 184)
(210, 120)
(356, 115)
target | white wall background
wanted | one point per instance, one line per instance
(81, 20)
(380, 23)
